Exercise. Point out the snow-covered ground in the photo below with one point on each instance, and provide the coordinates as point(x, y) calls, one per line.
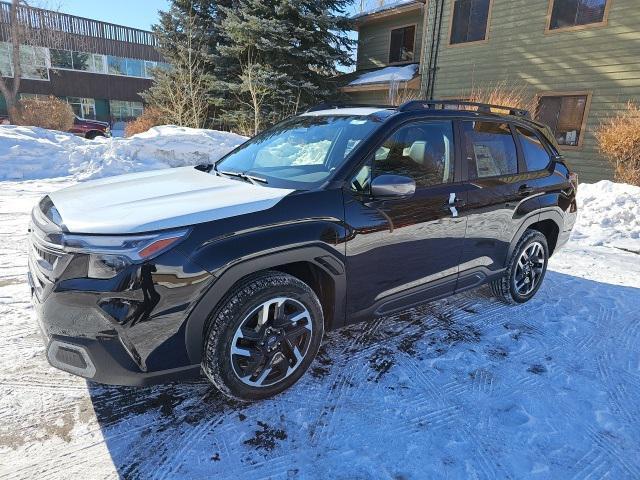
point(461, 388)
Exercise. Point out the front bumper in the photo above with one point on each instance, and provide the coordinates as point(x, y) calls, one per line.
point(83, 341)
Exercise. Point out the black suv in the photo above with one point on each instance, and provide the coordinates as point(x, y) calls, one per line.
point(331, 217)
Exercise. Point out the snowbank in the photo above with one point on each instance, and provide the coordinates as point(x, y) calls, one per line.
point(387, 74)
point(34, 153)
point(28, 152)
point(160, 147)
point(608, 214)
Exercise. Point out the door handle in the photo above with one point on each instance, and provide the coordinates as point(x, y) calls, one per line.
point(525, 190)
point(453, 204)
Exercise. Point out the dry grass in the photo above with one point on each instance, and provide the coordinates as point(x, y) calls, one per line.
point(48, 112)
point(399, 96)
point(503, 93)
point(619, 140)
point(151, 117)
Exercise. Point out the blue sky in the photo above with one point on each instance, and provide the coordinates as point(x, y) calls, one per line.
point(131, 13)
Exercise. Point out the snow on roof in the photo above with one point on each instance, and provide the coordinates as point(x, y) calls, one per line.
point(387, 74)
point(384, 7)
point(356, 112)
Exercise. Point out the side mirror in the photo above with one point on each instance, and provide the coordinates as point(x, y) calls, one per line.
point(392, 186)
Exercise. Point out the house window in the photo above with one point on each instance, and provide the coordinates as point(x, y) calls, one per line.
point(6, 69)
point(565, 115)
point(402, 44)
point(61, 58)
point(33, 61)
point(574, 13)
point(83, 107)
point(85, 62)
point(123, 111)
point(470, 21)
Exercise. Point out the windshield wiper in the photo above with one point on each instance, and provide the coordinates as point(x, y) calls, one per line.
point(248, 178)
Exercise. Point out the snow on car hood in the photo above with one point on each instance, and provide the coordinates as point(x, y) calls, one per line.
point(158, 200)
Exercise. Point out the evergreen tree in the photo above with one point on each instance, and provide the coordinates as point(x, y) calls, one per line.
point(289, 48)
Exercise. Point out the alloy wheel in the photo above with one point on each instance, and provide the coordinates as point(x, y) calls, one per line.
point(271, 342)
point(529, 269)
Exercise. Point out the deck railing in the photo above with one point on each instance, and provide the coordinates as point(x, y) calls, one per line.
point(52, 29)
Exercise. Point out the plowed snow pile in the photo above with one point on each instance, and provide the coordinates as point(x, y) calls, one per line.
point(609, 214)
point(33, 153)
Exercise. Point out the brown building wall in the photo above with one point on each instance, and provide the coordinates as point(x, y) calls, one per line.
point(67, 83)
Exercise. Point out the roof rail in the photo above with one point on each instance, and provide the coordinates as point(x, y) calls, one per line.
point(336, 105)
point(442, 104)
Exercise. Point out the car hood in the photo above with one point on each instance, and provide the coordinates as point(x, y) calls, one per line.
point(158, 200)
point(92, 123)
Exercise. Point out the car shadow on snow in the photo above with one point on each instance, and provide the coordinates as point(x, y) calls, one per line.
point(465, 364)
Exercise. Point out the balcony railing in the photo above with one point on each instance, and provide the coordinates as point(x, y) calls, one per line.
point(52, 29)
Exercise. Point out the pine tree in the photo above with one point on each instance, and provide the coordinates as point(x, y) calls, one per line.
point(291, 49)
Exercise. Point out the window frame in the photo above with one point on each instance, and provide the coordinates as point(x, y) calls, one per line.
point(415, 41)
point(475, 42)
point(550, 31)
point(585, 117)
point(466, 161)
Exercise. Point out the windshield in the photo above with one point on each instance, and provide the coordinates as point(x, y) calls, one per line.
point(301, 152)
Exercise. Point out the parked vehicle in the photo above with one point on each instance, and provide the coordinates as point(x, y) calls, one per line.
point(329, 218)
point(88, 129)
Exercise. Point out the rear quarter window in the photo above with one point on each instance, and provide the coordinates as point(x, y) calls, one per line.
point(536, 156)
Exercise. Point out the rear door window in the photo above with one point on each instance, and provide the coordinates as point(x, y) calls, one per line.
point(536, 155)
point(489, 148)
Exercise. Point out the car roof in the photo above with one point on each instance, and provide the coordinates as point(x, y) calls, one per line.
point(349, 111)
point(383, 111)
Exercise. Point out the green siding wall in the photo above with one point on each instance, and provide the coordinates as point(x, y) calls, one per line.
point(603, 60)
point(373, 47)
point(3, 105)
point(372, 97)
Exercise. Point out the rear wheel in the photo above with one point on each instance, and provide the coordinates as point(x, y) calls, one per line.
point(526, 269)
point(263, 336)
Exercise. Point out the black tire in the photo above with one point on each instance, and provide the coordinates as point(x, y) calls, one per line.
point(505, 287)
point(93, 135)
point(235, 310)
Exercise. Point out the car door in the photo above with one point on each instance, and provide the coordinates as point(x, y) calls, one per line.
point(499, 196)
point(402, 251)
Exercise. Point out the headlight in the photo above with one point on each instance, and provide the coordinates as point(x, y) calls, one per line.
point(110, 254)
point(106, 266)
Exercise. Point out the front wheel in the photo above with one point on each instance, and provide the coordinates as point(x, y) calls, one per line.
point(526, 269)
point(263, 336)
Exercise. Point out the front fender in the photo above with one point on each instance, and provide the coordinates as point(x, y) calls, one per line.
point(319, 255)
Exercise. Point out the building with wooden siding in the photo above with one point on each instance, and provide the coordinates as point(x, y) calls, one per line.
point(578, 59)
point(98, 67)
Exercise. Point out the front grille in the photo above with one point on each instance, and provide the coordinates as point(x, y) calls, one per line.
point(49, 258)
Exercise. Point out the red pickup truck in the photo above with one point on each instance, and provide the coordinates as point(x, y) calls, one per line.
point(88, 129)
